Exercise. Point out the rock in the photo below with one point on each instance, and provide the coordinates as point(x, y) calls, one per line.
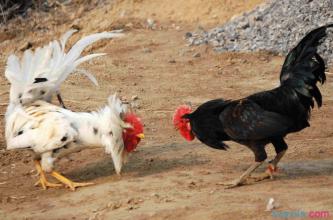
point(188, 35)
point(134, 98)
point(129, 25)
point(146, 50)
point(276, 26)
point(155, 195)
point(130, 201)
point(192, 185)
point(244, 25)
point(172, 61)
point(131, 207)
point(114, 205)
point(150, 23)
point(76, 26)
point(123, 13)
point(26, 46)
point(196, 55)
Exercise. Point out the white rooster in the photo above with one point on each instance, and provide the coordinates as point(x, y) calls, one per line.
point(52, 132)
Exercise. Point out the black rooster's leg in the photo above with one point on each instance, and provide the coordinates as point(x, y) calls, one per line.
point(239, 181)
point(260, 157)
point(60, 100)
point(277, 158)
point(271, 169)
point(280, 149)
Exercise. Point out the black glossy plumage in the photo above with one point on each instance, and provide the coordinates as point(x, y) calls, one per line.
point(267, 117)
point(205, 123)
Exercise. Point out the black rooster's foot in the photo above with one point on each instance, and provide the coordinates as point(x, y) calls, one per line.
point(268, 174)
point(261, 177)
point(232, 184)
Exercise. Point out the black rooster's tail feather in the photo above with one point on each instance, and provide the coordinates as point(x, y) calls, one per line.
point(304, 67)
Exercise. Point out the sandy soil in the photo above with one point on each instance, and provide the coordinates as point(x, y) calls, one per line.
point(167, 177)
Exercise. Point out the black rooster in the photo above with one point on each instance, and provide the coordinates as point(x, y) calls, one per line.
point(264, 117)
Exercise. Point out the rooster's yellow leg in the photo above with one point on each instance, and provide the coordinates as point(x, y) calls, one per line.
point(42, 179)
point(72, 185)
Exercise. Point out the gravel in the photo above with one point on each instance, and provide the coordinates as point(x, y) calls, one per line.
point(275, 26)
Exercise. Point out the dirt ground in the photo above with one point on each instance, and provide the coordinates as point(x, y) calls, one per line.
point(167, 177)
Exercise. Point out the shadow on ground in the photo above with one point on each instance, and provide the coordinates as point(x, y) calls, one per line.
point(145, 162)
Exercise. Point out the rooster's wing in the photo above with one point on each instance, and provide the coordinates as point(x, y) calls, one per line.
point(247, 121)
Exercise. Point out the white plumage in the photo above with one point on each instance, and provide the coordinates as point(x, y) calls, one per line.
point(50, 131)
point(46, 128)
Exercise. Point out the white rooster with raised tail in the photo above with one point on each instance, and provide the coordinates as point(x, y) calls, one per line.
point(39, 74)
point(52, 132)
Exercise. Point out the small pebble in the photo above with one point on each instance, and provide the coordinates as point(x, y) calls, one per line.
point(146, 50)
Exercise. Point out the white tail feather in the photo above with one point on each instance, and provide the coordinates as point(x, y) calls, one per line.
point(47, 67)
point(65, 37)
point(88, 57)
point(77, 49)
point(88, 75)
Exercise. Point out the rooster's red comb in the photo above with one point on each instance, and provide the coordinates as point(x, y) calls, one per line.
point(182, 124)
point(135, 121)
point(178, 119)
point(132, 136)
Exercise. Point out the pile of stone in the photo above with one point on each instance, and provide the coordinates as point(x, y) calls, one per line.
point(275, 26)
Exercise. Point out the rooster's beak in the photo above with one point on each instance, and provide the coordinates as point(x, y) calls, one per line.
point(141, 136)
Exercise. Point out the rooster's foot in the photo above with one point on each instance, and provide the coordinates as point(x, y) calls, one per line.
point(67, 182)
point(42, 179)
